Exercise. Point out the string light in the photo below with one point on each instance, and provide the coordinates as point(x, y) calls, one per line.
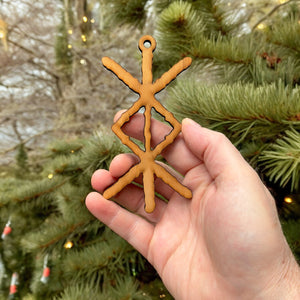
point(68, 245)
point(93, 21)
point(50, 176)
point(83, 37)
point(70, 31)
point(288, 199)
point(3, 34)
point(82, 61)
point(84, 19)
point(261, 26)
point(69, 46)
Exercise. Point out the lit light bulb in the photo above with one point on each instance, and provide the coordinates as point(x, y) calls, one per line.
point(70, 31)
point(83, 37)
point(261, 26)
point(288, 199)
point(84, 19)
point(69, 46)
point(68, 245)
point(50, 176)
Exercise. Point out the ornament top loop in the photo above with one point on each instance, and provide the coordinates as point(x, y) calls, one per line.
point(147, 42)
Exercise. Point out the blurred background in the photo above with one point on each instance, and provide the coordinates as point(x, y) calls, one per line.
point(57, 104)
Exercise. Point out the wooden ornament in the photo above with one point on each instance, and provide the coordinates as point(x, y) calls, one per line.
point(147, 89)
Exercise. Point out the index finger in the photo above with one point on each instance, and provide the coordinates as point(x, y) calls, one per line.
point(173, 153)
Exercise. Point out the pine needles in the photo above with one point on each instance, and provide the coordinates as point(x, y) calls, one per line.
point(244, 112)
point(281, 161)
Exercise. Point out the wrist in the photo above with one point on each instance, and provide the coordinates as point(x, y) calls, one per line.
point(287, 283)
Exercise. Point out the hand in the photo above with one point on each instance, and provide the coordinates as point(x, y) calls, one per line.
point(224, 243)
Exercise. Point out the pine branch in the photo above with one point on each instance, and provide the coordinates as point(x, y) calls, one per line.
point(271, 12)
point(132, 12)
point(53, 233)
point(281, 161)
point(264, 116)
point(25, 141)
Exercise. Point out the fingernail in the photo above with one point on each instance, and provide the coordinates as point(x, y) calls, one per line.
point(188, 121)
point(118, 115)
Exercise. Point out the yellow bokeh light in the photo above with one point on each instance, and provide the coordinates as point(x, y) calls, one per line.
point(83, 37)
point(69, 46)
point(83, 61)
point(261, 26)
point(70, 31)
point(288, 200)
point(84, 19)
point(68, 245)
point(92, 20)
point(50, 176)
point(282, 1)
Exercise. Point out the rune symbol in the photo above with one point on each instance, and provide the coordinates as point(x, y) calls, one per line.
point(147, 89)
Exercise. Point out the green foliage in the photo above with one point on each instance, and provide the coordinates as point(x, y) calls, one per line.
point(178, 26)
point(244, 84)
point(100, 151)
point(61, 147)
point(281, 161)
point(291, 229)
point(124, 289)
point(48, 212)
point(21, 159)
point(132, 12)
point(286, 34)
point(63, 55)
point(248, 114)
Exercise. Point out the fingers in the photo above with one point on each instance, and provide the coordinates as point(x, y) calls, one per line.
point(136, 230)
point(123, 162)
point(173, 153)
point(193, 146)
point(132, 196)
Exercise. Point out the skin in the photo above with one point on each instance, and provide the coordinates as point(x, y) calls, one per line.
point(224, 243)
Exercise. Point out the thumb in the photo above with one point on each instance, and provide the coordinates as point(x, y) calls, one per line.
point(213, 148)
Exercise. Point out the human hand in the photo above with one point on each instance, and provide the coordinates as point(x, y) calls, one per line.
point(224, 243)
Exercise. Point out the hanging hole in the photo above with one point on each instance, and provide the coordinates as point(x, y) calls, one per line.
point(147, 44)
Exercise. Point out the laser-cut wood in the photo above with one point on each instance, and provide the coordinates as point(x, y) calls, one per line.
point(147, 89)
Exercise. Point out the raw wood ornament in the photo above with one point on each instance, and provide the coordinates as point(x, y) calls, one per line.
point(147, 89)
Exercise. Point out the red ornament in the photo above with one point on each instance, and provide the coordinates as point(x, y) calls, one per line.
point(13, 283)
point(46, 272)
point(7, 230)
point(12, 289)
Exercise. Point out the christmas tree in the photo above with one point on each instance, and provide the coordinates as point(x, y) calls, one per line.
point(244, 82)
